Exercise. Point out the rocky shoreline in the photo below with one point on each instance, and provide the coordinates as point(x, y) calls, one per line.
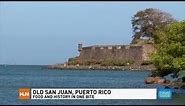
point(178, 84)
point(98, 67)
point(150, 80)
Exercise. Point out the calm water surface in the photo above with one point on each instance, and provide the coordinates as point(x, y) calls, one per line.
point(14, 77)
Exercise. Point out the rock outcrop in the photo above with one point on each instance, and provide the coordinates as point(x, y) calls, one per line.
point(156, 80)
point(164, 82)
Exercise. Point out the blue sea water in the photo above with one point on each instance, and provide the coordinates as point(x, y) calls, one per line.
point(16, 76)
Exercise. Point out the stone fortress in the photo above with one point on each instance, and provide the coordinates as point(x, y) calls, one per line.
point(136, 53)
point(97, 56)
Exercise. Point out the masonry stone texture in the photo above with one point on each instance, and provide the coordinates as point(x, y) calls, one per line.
point(136, 53)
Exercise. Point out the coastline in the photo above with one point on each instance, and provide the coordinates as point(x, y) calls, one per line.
point(160, 81)
point(98, 67)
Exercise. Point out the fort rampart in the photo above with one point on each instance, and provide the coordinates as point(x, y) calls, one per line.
point(136, 53)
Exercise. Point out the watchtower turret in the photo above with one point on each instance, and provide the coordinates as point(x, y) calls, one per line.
point(80, 47)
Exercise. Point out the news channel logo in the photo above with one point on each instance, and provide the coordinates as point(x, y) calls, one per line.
point(164, 94)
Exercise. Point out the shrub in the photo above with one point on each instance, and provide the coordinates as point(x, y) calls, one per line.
point(170, 55)
point(146, 63)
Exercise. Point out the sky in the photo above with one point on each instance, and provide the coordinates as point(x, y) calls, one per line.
point(43, 33)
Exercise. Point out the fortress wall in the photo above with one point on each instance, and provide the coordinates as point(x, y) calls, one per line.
point(147, 50)
point(122, 52)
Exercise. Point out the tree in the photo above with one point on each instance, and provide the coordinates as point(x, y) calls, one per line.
point(146, 22)
point(170, 52)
